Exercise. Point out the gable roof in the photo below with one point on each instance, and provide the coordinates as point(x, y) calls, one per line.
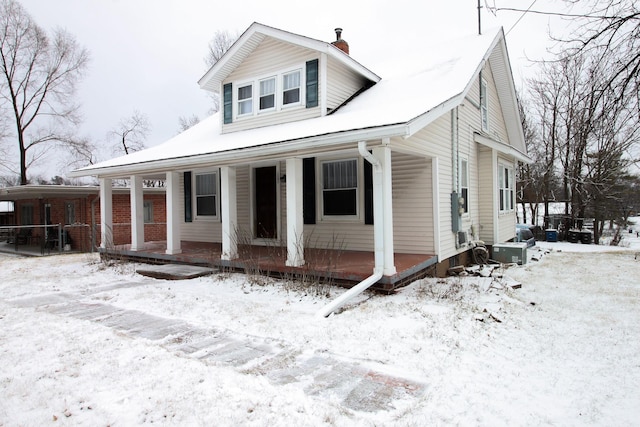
point(254, 35)
point(423, 88)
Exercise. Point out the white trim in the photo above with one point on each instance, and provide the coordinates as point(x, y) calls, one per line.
point(509, 202)
point(173, 200)
point(460, 186)
point(228, 188)
point(484, 105)
point(137, 213)
point(320, 189)
point(435, 188)
point(252, 203)
point(106, 213)
point(194, 199)
point(254, 35)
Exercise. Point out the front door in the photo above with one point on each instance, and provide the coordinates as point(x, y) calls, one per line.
point(266, 203)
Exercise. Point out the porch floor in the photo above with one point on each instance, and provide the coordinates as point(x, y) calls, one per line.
point(344, 267)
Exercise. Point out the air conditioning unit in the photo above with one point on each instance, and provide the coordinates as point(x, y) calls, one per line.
point(510, 252)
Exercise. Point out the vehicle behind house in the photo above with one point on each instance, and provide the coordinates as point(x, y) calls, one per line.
point(524, 233)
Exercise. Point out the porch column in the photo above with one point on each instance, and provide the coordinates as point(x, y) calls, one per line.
point(383, 154)
point(173, 213)
point(229, 212)
point(295, 222)
point(106, 213)
point(137, 213)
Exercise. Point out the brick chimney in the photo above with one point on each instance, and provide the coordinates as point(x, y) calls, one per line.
point(339, 43)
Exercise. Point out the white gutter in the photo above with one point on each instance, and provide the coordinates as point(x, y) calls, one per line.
point(272, 149)
point(378, 237)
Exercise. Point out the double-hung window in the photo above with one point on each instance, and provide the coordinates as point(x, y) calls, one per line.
point(291, 88)
point(267, 94)
point(505, 181)
point(206, 185)
point(340, 187)
point(245, 100)
point(484, 105)
point(464, 184)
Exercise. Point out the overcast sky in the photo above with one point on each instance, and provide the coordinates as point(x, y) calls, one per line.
point(148, 55)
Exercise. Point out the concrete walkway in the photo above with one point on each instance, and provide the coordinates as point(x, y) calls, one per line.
point(322, 375)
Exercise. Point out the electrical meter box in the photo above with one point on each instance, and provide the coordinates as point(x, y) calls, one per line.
point(510, 252)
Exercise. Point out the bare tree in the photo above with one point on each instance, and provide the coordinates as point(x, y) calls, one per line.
point(218, 46)
point(187, 122)
point(38, 84)
point(130, 134)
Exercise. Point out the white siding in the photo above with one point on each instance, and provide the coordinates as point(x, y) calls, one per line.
point(271, 57)
point(198, 231)
point(343, 83)
point(487, 188)
point(412, 204)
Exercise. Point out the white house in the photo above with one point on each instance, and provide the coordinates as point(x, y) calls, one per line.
point(309, 142)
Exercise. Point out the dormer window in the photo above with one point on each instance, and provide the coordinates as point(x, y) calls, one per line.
point(291, 88)
point(267, 94)
point(245, 100)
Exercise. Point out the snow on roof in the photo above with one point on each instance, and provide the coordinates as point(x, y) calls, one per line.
point(418, 82)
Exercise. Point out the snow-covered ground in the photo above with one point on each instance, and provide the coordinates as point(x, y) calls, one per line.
point(564, 349)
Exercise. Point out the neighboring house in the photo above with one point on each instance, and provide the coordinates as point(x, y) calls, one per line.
point(7, 216)
point(311, 147)
point(77, 210)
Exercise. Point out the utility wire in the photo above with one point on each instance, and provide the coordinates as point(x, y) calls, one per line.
point(521, 16)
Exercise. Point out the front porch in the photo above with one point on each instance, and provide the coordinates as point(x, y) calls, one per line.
point(339, 266)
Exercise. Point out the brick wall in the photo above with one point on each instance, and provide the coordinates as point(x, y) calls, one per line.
point(87, 212)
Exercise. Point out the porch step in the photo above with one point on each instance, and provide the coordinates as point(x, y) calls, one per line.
point(174, 271)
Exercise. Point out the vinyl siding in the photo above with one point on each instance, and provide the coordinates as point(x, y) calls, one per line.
point(412, 204)
point(269, 58)
point(343, 83)
point(487, 189)
point(198, 230)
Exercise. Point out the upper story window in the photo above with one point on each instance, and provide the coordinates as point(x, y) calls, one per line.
point(291, 88)
point(464, 184)
point(340, 188)
point(484, 105)
point(505, 181)
point(245, 100)
point(206, 200)
point(267, 93)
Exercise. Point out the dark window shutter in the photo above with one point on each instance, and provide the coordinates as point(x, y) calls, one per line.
point(312, 83)
point(309, 190)
point(227, 102)
point(368, 193)
point(188, 205)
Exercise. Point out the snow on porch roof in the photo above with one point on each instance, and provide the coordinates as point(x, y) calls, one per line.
point(426, 83)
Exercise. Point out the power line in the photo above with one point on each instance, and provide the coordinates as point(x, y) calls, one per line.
point(521, 16)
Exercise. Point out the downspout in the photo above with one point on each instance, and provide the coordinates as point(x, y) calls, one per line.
point(378, 237)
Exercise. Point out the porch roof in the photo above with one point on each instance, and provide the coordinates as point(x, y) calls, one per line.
point(429, 86)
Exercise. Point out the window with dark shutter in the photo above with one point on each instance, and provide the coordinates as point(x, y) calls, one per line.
point(312, 83)
point(227, 101)
point(188, 215)
point(309, 190)
point(368, 193)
